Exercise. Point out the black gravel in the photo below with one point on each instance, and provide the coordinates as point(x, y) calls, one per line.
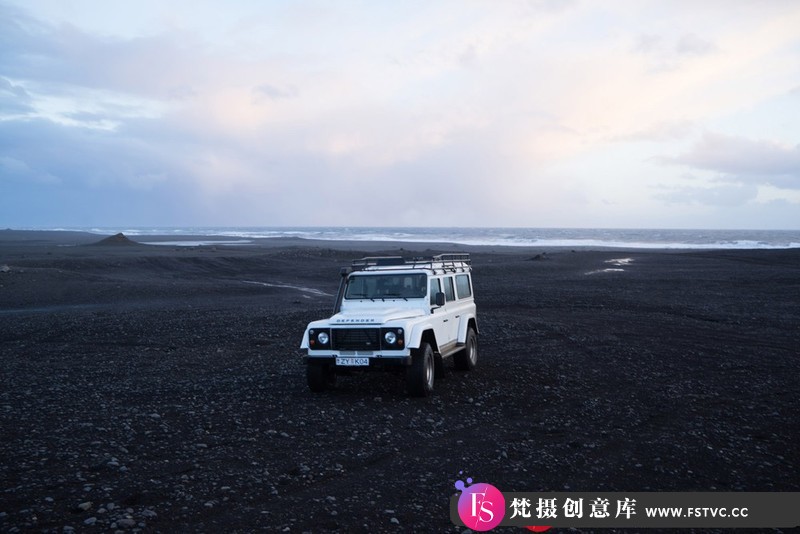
point(160, 390)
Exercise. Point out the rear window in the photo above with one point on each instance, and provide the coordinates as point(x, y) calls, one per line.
point(463, 287)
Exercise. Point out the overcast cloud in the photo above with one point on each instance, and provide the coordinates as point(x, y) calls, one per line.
point(581, 114)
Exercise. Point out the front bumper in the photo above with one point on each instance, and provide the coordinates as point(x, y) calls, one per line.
point(374, 361)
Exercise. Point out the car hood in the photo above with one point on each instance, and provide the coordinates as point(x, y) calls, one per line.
point(376, 316)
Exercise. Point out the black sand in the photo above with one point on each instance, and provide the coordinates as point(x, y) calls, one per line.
point(161, 388)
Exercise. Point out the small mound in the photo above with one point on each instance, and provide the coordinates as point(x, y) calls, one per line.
point(116, 240)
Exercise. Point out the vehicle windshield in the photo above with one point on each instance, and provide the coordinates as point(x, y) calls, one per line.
point(386, 286)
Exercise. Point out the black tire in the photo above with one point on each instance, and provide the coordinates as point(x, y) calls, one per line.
point(420, 373)
point(467, 359)
point(320, 376)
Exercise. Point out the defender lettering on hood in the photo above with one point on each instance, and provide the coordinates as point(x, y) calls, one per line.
point(414, 313)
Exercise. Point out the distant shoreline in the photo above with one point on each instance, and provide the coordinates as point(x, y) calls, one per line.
point(519, 239)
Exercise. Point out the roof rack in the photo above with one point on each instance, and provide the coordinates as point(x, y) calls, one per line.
point(452, 262)
point(378, 261)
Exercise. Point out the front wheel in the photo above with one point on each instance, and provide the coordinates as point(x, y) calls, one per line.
point(467, 359)
point(320, 376)
point(419, 375)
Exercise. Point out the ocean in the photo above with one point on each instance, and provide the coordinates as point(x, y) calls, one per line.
point(515, 237)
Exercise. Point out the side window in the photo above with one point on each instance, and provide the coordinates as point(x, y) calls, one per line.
point(462, 284)
point(449, 291)
point(435, 288)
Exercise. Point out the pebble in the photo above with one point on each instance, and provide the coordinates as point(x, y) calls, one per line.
point(85, 505)
point(90, 521)
point(394, 521)
point(126, 523)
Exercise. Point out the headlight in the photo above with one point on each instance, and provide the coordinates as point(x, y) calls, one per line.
point(323, 338)
point(393, 338)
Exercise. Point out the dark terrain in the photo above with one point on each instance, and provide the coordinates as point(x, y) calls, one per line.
point(158, 388)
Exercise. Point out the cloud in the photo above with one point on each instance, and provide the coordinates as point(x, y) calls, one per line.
point(693, 45)
point(14, 99)
point(648, 44)
point(662, 131)
point(725, 195)
point(42, 150)
point(18, 170)
point(61, 57)
point(687, 44)
point(275, 93)
point(744, 160)
point(510, 111)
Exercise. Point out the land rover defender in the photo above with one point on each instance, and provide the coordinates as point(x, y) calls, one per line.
point(396, 312)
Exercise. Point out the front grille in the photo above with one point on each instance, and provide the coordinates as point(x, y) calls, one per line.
point(355, 338)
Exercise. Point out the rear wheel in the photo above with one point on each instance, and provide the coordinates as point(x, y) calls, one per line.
point(438, 367)
point(420, 373)
point(320, 376)
point(467, 359)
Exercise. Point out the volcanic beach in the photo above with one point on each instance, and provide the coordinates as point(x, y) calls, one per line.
point(160, 387)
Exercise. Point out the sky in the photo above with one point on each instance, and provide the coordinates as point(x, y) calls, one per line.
point(537, 113)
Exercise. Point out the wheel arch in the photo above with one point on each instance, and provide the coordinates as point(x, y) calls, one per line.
point(471, 322)
point(427, 336)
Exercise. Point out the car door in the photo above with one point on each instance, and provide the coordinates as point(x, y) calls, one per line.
point(441, 320)
point(450, 309)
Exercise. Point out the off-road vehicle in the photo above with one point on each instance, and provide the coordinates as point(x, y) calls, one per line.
point(394, 312)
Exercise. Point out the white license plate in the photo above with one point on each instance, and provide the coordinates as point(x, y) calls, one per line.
point(352, 362)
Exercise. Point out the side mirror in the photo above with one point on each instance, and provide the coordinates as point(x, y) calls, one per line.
point(439, 299)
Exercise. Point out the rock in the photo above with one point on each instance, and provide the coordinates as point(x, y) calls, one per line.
point(116, 240)
point(84, 506)
point(90, 521)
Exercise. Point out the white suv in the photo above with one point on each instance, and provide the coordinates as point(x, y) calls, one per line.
point(395, 312)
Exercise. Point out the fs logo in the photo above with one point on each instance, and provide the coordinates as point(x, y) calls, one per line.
point(481, 506)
